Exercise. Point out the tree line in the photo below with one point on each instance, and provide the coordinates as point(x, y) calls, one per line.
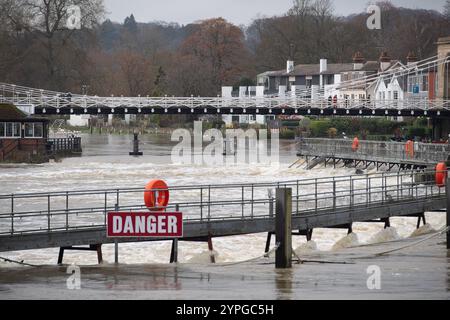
point(158, 58)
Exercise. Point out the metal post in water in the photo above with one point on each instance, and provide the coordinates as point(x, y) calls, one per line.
point(136, 151)
point(283, 228)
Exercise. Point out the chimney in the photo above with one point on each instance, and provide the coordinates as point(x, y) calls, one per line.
point(411, 58)
point(385, 61)
point(323, 68)
point(358, 61)
point(323, 65)
point(290, 66)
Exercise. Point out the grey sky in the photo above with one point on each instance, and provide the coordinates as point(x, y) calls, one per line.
point(236, 11)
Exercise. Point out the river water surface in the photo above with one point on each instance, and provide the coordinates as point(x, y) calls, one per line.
point(105, 164)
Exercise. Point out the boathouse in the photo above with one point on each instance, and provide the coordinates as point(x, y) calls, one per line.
point(22, 138)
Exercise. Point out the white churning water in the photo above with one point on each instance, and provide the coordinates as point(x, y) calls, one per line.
point(106, 164)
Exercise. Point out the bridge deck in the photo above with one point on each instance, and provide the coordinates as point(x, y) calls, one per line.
point(34, 221)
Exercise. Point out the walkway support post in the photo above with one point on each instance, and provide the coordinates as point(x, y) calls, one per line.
point(447, 188)
point(283, 228)
point(116, 251)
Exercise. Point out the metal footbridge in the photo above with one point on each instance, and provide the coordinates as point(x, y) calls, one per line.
point(336, 152)
point(311, 101)
point(75, 218)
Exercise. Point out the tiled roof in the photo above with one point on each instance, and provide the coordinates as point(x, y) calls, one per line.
point(10, 112)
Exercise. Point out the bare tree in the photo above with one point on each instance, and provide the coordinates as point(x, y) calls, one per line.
point(447, 9)
point(47, 20)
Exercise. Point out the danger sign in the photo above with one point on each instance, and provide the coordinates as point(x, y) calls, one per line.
point(145, 224)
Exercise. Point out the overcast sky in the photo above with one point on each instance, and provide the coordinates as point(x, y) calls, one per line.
point(236, 11)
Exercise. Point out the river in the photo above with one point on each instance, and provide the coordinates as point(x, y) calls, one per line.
point(105, 163)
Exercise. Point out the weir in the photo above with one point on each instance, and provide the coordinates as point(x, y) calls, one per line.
point(72, 219)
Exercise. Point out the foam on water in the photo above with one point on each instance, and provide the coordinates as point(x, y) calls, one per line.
point(204, 257)
point(425, 229)
point(350, 240)
point(385, 235)
point(306, 248)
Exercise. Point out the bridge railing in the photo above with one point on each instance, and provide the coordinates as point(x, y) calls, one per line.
point(373, 150)
point(58, 102)
point(75, 210)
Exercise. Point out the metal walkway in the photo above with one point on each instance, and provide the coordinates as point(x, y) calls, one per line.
point(374, 153)
point(64, 219)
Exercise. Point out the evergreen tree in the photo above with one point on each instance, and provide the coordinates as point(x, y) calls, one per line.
point(130, 24)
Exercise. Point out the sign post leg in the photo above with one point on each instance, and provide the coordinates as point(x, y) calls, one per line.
point(447, 188)
point(116, 251)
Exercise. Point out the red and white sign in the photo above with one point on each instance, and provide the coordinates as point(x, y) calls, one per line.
point(145, 225)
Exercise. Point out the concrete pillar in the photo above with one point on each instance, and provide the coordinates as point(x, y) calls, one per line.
point(127, 118)
point(283, 228)
point(110, 119)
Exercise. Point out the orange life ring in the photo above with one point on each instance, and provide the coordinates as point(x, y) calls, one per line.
point(409, 148)
point(355, 144)
point(156, 195)
point(441, 174)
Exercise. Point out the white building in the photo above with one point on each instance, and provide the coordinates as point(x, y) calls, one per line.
point(79, 120)
point(245, 92)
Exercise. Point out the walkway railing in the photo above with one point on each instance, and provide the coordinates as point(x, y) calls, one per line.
point(56, 145)
point(374, 150)
point(74, 210)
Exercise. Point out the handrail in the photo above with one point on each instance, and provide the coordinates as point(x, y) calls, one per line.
point(48, 212)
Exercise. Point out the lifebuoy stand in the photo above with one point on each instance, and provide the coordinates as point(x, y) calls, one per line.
point(409, 148)
point(441, 174)
point(355, 144)
point(156, 195)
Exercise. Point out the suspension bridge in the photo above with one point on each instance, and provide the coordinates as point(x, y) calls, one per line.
point(311, 101)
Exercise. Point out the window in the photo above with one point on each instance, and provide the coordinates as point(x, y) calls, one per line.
point(38, 130)
point(10, 129)
point(425, 83)
point(395, 95)
point(34, 130)
point(29, 131)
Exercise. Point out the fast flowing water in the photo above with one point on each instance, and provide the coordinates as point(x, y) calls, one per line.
point(105, 164)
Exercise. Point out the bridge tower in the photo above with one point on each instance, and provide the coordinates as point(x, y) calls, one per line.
point(441, 127)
